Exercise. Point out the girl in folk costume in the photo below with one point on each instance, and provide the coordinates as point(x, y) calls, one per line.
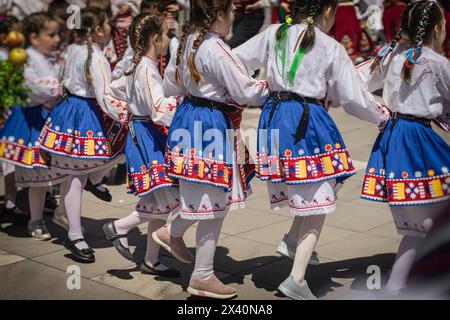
point(79, 134)
point(301, 153)
point(19, 144)
point(416, 88)
point(213, 180)
point(146, 142)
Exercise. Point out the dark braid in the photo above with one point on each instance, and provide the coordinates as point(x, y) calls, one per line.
point(143, 26)
point(87, 63)
point(308, 11)
point(203, 14)
point(91, 18)
point(383, 52)
point(424, 16)
point(179, 53)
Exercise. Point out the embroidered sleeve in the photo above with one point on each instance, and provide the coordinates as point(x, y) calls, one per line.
point(101, 76)
point(161, 109)
point(230, 73)
point(45, 90)
point(347, 89)
point(254, 52)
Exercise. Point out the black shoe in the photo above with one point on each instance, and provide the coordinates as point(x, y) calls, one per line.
point(80, 255)
point(170, 273)
point(50, 204)
point(111, 234)
point(101, 194)
point(15, 216)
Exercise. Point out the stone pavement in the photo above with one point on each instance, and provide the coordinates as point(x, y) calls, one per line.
point(357, 235)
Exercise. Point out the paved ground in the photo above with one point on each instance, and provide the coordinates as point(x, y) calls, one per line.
point(357, 235)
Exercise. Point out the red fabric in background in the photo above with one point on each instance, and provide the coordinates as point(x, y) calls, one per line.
point(391, 19)
point(347, 29)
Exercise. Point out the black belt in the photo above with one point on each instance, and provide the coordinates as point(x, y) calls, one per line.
point(397, 115)
point(202, 102)
point(131, 126)
point(279, 96)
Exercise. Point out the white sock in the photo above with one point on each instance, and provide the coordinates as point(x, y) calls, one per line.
point(36, 198)
point(208, 232)
point(72, 201)
point(295, 229)
point(178, 226)
point(126, 224)
point(403, 263)
point(152, 253)
point(308, 236)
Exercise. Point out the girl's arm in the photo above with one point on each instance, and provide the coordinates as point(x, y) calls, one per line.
point(347, 89)
point(230, 72)
point(161, 109)
point(254, 52)
point(171, 87)
point(101, 81)
point(44, 90)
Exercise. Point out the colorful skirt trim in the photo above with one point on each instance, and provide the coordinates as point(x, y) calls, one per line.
point(145, 159)
point(76, 128)
point(320, 155)
point(192, 161)
point(409, 165)
point(19, 143)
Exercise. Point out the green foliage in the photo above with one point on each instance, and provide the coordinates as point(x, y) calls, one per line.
point(13, 91)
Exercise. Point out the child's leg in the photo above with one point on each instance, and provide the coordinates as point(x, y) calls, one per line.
point(308, 236)
point(126, 224)
point(403, 263)
point(203, 281)
point(170, 237)
point(36, 197)
point(97, 176)
point(72, 202)
point(295, 229)
point(152, 253)
point(208, 232)
point(178, 226)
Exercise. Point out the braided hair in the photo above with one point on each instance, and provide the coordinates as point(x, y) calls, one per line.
point(383, 52)
point(202, 15)
point(143, 26)
point(304, 11)
point(423, 17)
point(90, 19)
